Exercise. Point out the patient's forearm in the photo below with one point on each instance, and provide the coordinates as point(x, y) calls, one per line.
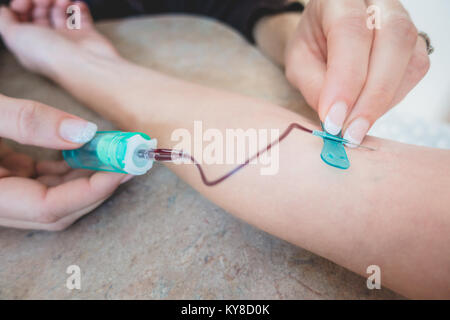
point(390, 208)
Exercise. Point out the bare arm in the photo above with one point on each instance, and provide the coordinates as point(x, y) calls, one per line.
point(389, 209)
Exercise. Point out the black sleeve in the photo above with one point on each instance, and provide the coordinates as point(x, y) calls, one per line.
point(239, 14)
point(242, 15)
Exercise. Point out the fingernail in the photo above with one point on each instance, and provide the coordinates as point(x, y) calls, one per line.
point(78, 131)
point(335, 117)
point(356, 132)
point(127, 178)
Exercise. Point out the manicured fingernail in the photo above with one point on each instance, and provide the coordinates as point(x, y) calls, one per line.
point(127, 178)
point(78, 131)
point(356, 132)
point(335, 117)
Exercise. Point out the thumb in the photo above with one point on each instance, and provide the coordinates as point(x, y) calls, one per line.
point(305, 70)
point(7, 18)
point(33, 123)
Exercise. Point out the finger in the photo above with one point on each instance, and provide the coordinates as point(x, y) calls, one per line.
point(21, 6)
point(22, 9)
point(86, 16)
point(41, 15)
point(4, 149)
point(60, 169)
point(48, 205)
point(417, 68)
point(75, 174)
point(42, 3)
point(33, 123)
point(50, 181)
point(52, 173)
point(56, 180)
point(349, 42)
point(63, 3)
point(59, 225)
point(392, 50)
point(305, 61)
point(52, 168)
point(18, 164)
point(4, 172)
point(70, 219)
point(7, 19)
point(58, 13)
point(80, 193)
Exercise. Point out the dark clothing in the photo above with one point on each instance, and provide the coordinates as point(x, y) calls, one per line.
point(239, 14)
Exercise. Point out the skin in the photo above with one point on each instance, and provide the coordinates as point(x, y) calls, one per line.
point(388, 209)
point(33, 195)
point(281, 37)
point(45, 184)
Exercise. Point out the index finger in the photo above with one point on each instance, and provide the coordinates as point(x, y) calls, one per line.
point(392, 50)
point(349, 42)
point(34, 123)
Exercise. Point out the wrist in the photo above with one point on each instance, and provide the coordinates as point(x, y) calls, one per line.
point(96, 81)
point(78, 64)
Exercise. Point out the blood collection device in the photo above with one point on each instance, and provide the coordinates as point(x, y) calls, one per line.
point(134, 153)
point(113, 151)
